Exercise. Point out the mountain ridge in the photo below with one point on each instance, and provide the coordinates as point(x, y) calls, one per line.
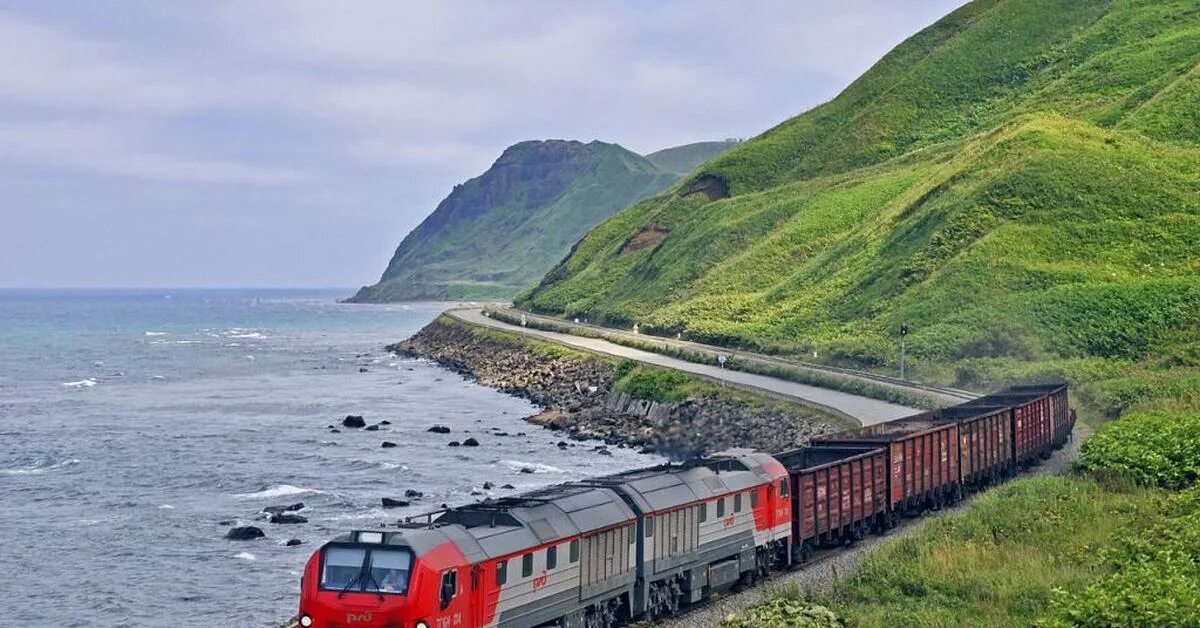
point(497, 233)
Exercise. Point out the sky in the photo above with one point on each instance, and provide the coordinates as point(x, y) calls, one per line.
point(293, 144)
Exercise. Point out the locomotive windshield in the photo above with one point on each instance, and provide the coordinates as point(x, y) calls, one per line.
point(365, 568)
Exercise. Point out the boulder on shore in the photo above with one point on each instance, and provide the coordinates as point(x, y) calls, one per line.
point(354, 420)
point(388, 502)
point(470, 442)
point(244, 533)
point(274, 510)
point(286, 517)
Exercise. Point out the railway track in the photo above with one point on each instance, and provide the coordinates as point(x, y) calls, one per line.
point(508, 314)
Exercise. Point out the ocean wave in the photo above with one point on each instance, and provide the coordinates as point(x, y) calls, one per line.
point(279, 490)
point(238, 332)
point(389, 466)
point(245, 556)
point(83, 383)
point(517, 465)
point(155, 333)
point(41, 466)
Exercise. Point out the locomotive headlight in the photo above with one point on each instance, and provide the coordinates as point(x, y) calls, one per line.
point(305, 621)
point(421, 624)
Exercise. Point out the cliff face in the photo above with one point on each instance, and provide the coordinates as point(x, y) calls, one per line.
point(501, 231)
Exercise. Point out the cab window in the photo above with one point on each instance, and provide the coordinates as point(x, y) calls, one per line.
point(737, 503)
point(343, 567)
point(388, 571)
point(527, 565)
point(502, 572)
point(754, 498)
point(720, 507)
point(783, 487)
point(373, 569)
point(449, 587)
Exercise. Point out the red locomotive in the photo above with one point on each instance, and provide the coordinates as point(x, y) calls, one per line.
point(641, 544)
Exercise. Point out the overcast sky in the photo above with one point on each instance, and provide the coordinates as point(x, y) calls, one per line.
point(293, 143)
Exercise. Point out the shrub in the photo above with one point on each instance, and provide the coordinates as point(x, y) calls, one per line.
point(1156, 577)
point(1152, 449)
point(784, 612)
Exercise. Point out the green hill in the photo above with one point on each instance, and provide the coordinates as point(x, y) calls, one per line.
point(684, 159)
point(501, 231)
point(1019, 183)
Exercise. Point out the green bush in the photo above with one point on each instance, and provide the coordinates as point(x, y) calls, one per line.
point(1152, 449)
point(1156, 577)
point(661, 385)
point(784, 612)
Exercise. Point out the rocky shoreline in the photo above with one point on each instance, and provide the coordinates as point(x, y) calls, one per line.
point(576, 393)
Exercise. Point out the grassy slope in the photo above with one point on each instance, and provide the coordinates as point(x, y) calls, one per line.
point(684, 159)
point(1020, 183)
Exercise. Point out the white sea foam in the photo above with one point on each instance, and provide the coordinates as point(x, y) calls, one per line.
point(279, 490)
point(243, 334)
point(517, 465)
point(83, 383)
point(245, 556)
point(157, 378)
point(166, 507)
point(155, 333)
point(35, 469)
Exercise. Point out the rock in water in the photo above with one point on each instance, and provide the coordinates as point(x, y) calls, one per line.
point(526, 469)
point(470, 442)
point(372, 428)
point(244, 533)
point(274, 510)
point(388, 502)
point(487, 486)
point(285, 517)
point(410, 493)
point(439, 429)
point(354, 420)
point(387, 444)
point(293, 542)
point(385, 422)
point(453, 443)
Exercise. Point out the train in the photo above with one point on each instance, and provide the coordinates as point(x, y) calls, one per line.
point(644, 544)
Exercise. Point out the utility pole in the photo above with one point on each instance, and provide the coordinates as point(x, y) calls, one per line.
point(903, 337)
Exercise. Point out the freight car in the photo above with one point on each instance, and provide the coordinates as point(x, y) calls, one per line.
point(641, 544)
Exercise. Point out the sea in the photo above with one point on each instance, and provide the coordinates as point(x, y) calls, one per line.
point(137, 426)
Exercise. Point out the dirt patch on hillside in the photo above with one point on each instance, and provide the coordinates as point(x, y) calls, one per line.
point(712, 186)
point(644, 239)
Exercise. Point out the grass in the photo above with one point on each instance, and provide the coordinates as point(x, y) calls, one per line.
point(997, 563)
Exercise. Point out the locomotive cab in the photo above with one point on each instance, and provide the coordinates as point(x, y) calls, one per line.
point(406, 579)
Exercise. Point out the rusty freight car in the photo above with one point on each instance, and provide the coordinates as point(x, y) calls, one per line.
point(840, 493)
point(923, 460)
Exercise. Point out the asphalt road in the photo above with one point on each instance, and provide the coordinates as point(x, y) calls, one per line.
point(864, 409)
